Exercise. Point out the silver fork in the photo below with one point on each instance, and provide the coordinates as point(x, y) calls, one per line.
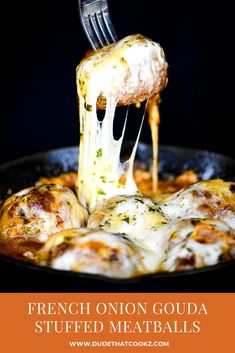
point(96, 22)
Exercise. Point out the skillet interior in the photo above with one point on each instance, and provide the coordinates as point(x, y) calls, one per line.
point(19, 277)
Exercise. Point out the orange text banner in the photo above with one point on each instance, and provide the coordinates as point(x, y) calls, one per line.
point(117, 322)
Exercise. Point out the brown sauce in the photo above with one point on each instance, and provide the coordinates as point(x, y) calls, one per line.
point(17, 247)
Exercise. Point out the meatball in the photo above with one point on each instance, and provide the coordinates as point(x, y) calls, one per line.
point(130, 215)
point(91, 251)
point(40, 211)
point(133, 70)
point(196, 243)
point(205, 199)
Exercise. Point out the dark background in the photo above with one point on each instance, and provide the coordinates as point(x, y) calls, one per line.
point(42, 42)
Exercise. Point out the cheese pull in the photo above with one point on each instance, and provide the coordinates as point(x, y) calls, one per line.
point(129, 71)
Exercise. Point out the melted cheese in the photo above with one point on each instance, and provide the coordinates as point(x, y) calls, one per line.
point(90, 251)
point(131, 70)
point(195, 243)
point(39, 211)
point(205, 199)
point(154, 121)
point(129, 215)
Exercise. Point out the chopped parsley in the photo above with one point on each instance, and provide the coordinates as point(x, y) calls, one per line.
point(102, 177)
point(88, 107)
point(126, 219)
point(188, 249)
point(81, 82)
point(99, 153)
point(107, 223)
point(101, 192)
point(67, 238)
point(117, 202)
point(160, 211)
point(139, 200)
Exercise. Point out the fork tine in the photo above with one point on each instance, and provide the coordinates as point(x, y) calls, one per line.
point(102, 26)
point(90, 33)
point(94, 15)
point(96, 30)
point(109, 25)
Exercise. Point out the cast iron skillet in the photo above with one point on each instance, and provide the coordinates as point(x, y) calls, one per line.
point(16, 276)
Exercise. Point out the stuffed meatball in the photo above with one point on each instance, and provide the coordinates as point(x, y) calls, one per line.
point(90, 251)
point(205, 199)
point(129, 215)
point(39, 211)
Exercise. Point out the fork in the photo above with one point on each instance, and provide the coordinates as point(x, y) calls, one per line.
point(96, 22)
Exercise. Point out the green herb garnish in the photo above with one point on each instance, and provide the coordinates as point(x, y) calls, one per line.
point(126, 219)
point(99, 153)
point(88, 107)
point(101, 192)
point(107, 223)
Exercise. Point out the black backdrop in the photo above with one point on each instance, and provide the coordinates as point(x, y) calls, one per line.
point(42, 42)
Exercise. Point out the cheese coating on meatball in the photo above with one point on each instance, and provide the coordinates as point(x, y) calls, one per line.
point(40, 211)
point(205, 199)
point(130, 215)
point(95, 252)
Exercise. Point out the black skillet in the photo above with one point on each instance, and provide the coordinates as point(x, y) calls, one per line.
point(16, 276)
